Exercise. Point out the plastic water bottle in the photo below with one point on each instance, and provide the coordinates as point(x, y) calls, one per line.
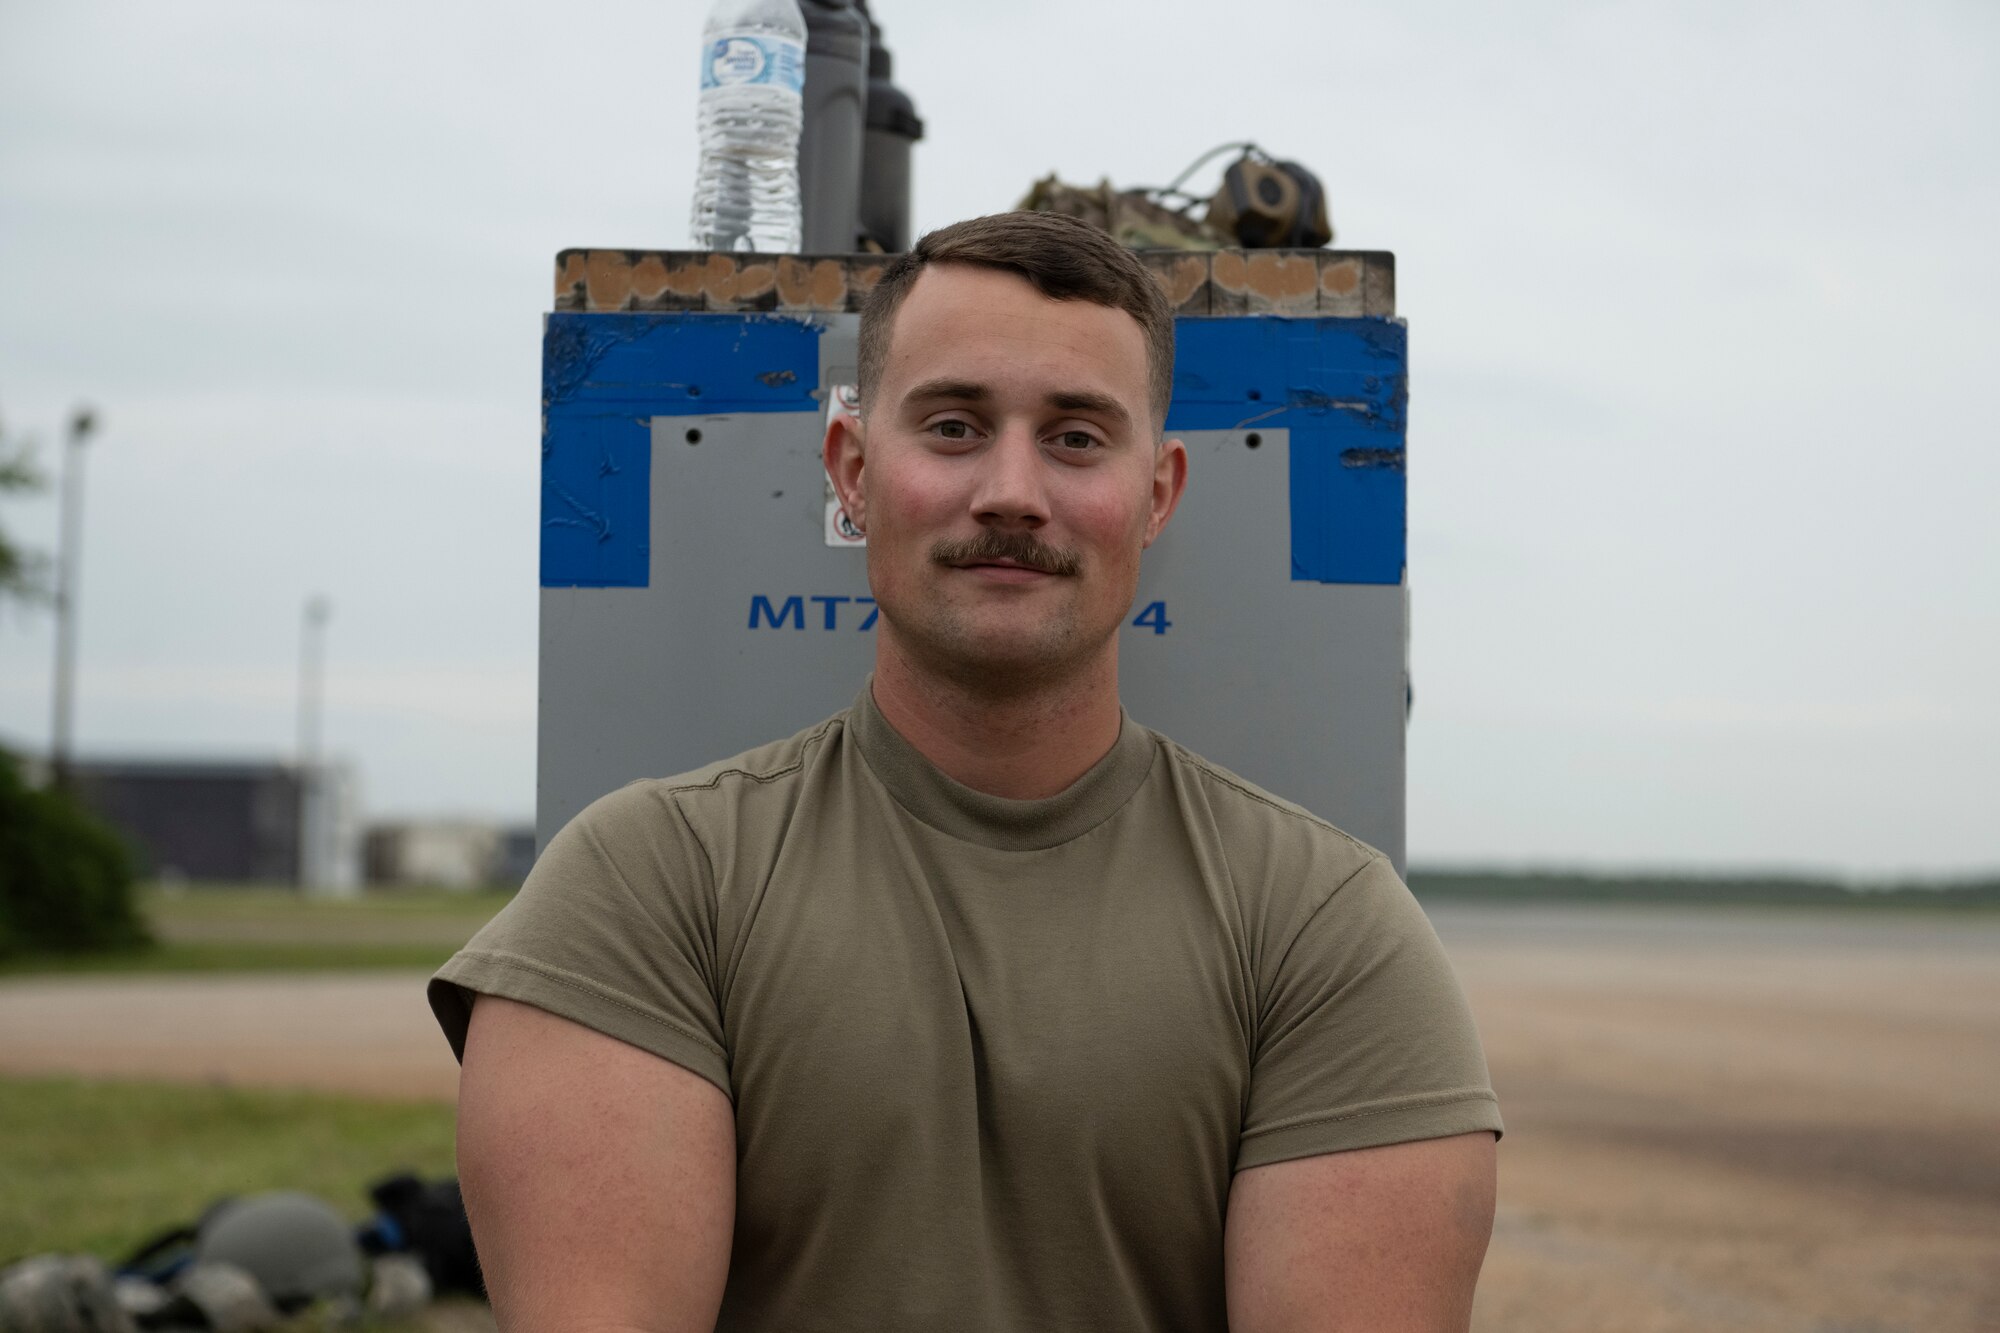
point(753, 74)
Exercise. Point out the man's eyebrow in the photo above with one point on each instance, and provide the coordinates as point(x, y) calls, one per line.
point(965, 391)
point(1074, 400)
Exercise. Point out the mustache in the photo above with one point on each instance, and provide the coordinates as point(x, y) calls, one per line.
point(1023, 548)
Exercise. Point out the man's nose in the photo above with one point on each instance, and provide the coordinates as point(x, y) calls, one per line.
point(1011, 488)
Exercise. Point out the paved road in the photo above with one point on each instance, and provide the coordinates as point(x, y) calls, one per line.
point(369, 1033)
point(1729, 1119)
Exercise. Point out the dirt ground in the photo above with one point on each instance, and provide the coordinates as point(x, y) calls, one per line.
point(368, 1032)
point(1718, 1120)
point(1728, 1119)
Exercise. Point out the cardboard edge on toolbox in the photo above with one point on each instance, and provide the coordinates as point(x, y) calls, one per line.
point(1297, 283)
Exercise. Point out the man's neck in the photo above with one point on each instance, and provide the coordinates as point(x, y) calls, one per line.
point(1022, 745)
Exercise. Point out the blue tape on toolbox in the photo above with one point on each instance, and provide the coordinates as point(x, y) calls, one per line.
point(1341, 387)
point(604, 377)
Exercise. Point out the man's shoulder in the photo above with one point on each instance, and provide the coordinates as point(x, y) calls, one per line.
point(771, 762)
point(1253, 818)
point(768, 768)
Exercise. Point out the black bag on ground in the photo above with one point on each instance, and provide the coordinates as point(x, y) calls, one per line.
point(426, 1219)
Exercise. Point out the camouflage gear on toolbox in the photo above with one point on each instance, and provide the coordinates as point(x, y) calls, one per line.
point(1134, 220)
point(1263, 204)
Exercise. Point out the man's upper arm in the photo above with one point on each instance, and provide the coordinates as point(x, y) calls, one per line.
point(1382, 1239)
point(1364, 1191)
point(600, 1179)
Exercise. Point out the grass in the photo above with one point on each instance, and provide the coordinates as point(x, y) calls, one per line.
point(233, 929)
point(216, 902)
point(214, 929)
point(101, 1167)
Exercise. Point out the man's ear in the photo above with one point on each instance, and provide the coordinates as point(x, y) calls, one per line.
point(842, 454)
point(1170, 464)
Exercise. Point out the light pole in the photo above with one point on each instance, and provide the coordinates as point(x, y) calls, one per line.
point(312, 685)
point(69, 561)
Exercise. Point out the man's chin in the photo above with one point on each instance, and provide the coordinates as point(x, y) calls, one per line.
point(1002, 659)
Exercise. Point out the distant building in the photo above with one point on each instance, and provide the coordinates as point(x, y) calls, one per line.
point(230, 821)
point(466, 854)
point(517, 855)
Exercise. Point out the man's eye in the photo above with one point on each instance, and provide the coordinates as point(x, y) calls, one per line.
point(1077, 439)
point(953, 430)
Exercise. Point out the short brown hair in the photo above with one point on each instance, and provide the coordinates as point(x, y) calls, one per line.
point(1063, 258)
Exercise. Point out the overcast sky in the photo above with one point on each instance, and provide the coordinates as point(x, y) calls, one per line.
point(1702, 302)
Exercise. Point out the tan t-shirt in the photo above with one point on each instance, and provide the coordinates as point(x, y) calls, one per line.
point(994, 1062)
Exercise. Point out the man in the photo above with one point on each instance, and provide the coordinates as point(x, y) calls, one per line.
point(977, 1006)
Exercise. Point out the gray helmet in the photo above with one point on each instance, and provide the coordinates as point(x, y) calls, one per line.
point(221, 1298)
point(298, 1248)
point(398, 1287)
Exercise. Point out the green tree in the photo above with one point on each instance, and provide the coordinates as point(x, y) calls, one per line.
point(65, 878)
point(66, 881)
point(20, 571)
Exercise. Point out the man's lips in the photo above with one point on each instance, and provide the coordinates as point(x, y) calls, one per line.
point(1004, 571)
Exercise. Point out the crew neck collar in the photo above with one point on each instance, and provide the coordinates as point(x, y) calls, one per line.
point(949, 806)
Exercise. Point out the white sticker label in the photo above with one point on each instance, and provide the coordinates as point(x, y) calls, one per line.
point(738, 58)
point(842, 401)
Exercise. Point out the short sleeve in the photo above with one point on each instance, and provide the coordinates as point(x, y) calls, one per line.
point(614, 929)
point(1364, 1035)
